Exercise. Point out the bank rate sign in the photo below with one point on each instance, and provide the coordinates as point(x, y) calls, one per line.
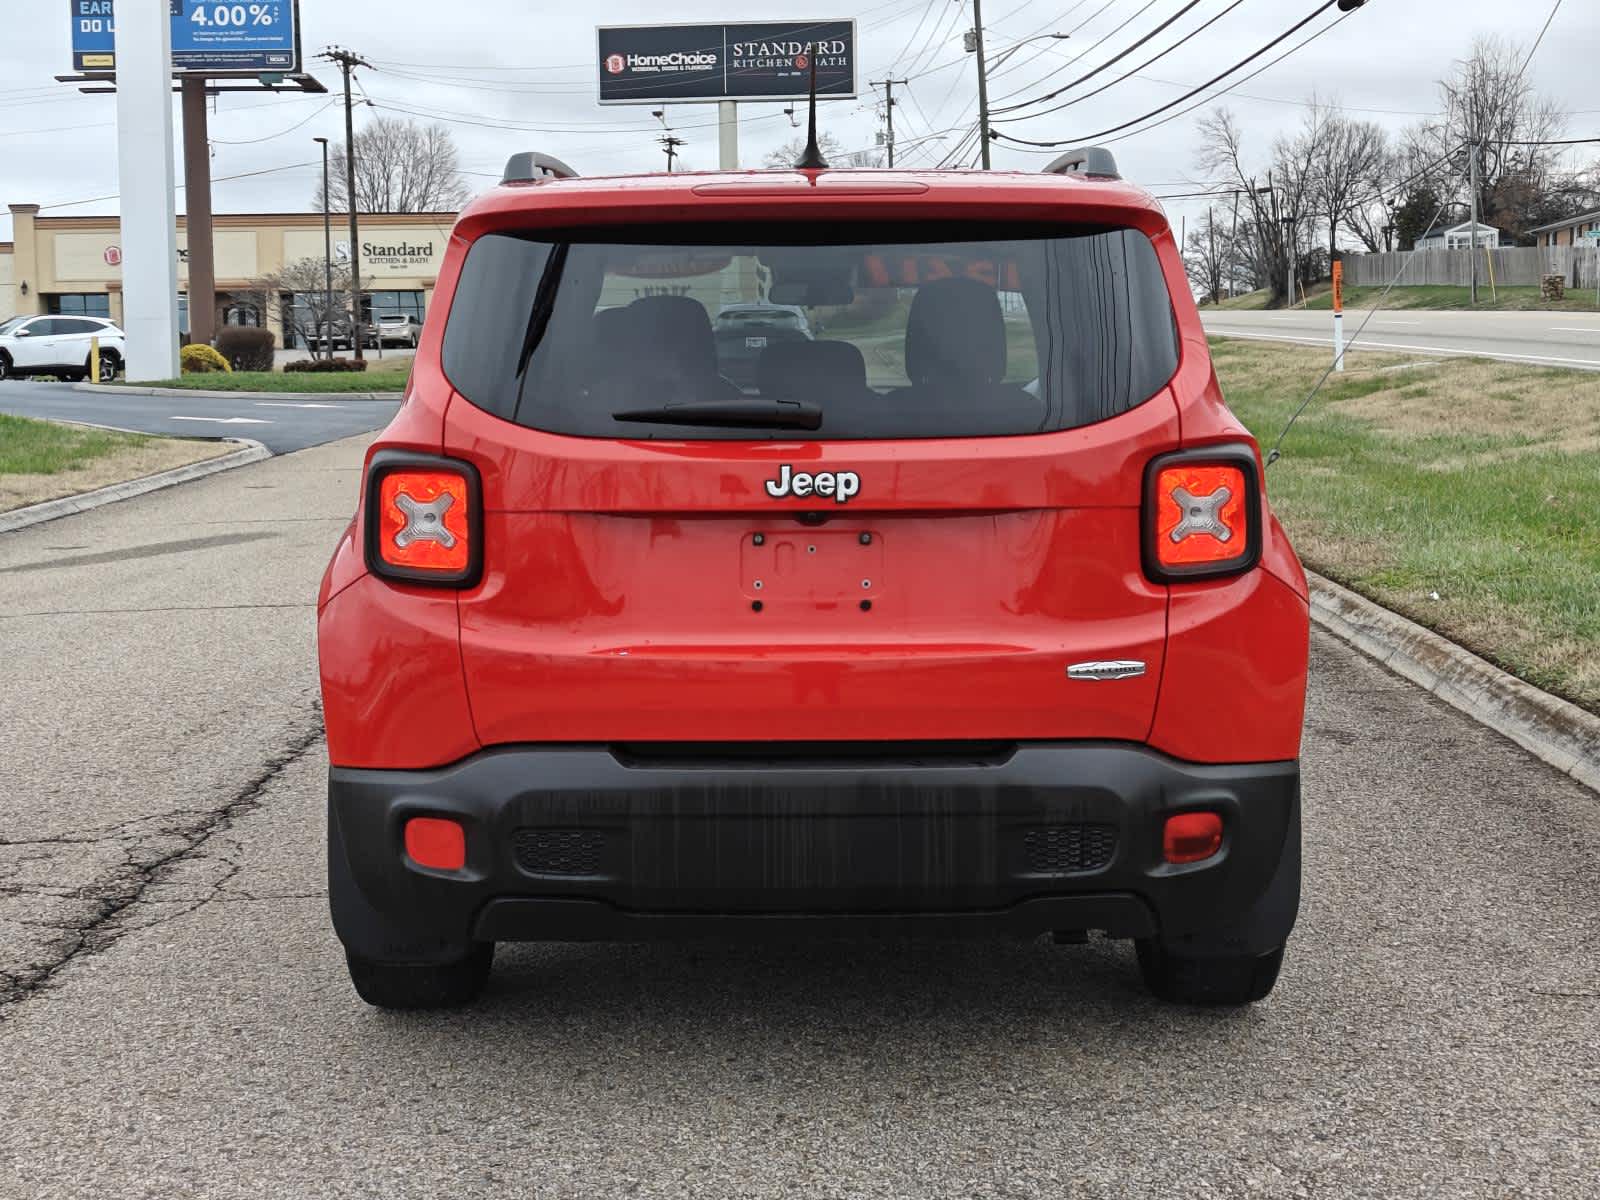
point(208, 37)
point(772, 60)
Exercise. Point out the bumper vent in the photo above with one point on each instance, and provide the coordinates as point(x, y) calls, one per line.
point(1067, 849)
point(559, 851)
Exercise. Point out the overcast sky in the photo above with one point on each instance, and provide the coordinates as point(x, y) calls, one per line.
point(495, 65)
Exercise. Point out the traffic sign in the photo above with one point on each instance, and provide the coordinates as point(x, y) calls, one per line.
point(208, 37)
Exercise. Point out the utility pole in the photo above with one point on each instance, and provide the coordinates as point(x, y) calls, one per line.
point(348, 61)
point(325, 326)
point(197, 213)
point(888, 109)
point(983, 80)
point(671, 142)
point(1472, 253)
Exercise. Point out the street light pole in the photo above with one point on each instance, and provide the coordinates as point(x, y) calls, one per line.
point(325, 326)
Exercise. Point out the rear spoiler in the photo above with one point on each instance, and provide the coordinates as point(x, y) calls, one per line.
point(1092, 162)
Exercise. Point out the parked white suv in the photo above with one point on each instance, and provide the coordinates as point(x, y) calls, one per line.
point(59, 346)
point(397, 329)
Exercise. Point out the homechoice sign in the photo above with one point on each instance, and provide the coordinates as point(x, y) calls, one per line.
point(653, 64)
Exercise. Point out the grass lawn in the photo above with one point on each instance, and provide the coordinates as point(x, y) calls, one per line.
point(1468, 479)
point(1429, 296)
point(1506, 299)
point(390, 380)
point(40, 460)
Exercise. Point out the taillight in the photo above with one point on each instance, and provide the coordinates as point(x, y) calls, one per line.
point(424, 519)
point(1202, 514)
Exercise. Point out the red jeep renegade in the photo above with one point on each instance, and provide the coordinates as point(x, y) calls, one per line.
point(824, 551)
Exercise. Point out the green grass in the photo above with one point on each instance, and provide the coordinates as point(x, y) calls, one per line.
point(30, 447)
point(1319, 297)
point(1467, 480)
point(1506, 299)
point(386, 380)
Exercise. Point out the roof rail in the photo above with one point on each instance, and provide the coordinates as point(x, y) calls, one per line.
point(1093, 162)
point(530, 167)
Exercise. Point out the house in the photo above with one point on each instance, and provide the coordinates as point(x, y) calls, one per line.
point(1569, 232)
point(1459, 237)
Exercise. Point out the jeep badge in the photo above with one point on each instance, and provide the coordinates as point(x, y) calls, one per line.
point(841, 485)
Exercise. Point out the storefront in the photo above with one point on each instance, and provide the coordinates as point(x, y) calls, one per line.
point(264, 265)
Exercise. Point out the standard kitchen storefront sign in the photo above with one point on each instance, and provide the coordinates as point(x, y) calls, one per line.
point(770, 60)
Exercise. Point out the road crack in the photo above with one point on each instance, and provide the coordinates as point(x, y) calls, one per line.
point(144, 867)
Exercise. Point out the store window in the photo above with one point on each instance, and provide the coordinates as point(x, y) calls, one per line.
point(86, 304)
point(379, 303)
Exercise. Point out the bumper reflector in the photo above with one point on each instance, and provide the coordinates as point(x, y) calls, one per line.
point(436, 843)
point(1191, 837)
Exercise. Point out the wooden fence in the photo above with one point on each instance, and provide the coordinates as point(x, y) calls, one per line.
point(1517, 267)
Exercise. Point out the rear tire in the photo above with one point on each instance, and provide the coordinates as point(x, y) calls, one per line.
point(109, 365)
point(421, 985)
point(5, 367)
point(1209, 980)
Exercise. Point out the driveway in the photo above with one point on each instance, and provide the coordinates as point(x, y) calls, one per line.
point(175, 1018)
point(1553, 339)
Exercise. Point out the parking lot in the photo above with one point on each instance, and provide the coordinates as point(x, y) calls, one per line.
point(175, 1017)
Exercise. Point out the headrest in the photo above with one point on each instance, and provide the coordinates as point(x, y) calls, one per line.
point(788, 369)
point(955, 335)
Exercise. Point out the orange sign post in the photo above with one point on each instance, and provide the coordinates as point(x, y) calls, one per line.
point(1338, 315)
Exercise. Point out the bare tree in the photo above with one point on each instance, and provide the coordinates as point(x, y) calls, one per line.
point(786, 155)
point(297, 298)
point(1350, 161)
point(1491, 103)
point(1206, 257)
point(401, 167)
point(1281, 207)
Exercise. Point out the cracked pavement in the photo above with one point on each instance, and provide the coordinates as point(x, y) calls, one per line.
point(175, 1019)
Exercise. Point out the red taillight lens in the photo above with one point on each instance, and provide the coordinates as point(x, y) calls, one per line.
point(1191, 837)
point(1202, 514)
point(437, 843)
point(422, 519)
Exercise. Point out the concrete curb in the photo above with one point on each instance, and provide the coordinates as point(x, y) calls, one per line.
point(1559, 733)
point(103, 389)
point(36, 514)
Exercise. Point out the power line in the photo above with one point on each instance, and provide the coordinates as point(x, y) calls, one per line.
point(1110, 62)
point(1134, 71)
point(1221, 75)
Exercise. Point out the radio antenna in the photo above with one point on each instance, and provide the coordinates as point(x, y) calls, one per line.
point(812, 159)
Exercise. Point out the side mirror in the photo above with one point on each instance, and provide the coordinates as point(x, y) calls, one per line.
point(23, 333)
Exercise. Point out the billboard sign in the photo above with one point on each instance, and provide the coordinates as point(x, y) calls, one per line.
point(765, 60)
point(208, 37)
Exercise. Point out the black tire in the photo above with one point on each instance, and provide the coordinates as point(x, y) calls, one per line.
point(5, 367)
point(110, 364)
point(421, 985)
point(1210, 980)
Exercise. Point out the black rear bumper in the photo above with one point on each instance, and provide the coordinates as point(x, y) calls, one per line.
point(626, 843)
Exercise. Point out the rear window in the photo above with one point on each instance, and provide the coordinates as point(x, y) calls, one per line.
point(897, 336)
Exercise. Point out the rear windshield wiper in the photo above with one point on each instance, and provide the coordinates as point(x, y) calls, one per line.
point(730, 414)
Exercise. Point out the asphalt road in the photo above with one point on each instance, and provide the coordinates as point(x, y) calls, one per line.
point(283, 424)
point(175, 1018)
point(1556, 339)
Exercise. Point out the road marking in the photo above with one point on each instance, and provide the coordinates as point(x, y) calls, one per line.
point(1592, 364)
point(223, 420)
point(286, 404)
point(1574, 329)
